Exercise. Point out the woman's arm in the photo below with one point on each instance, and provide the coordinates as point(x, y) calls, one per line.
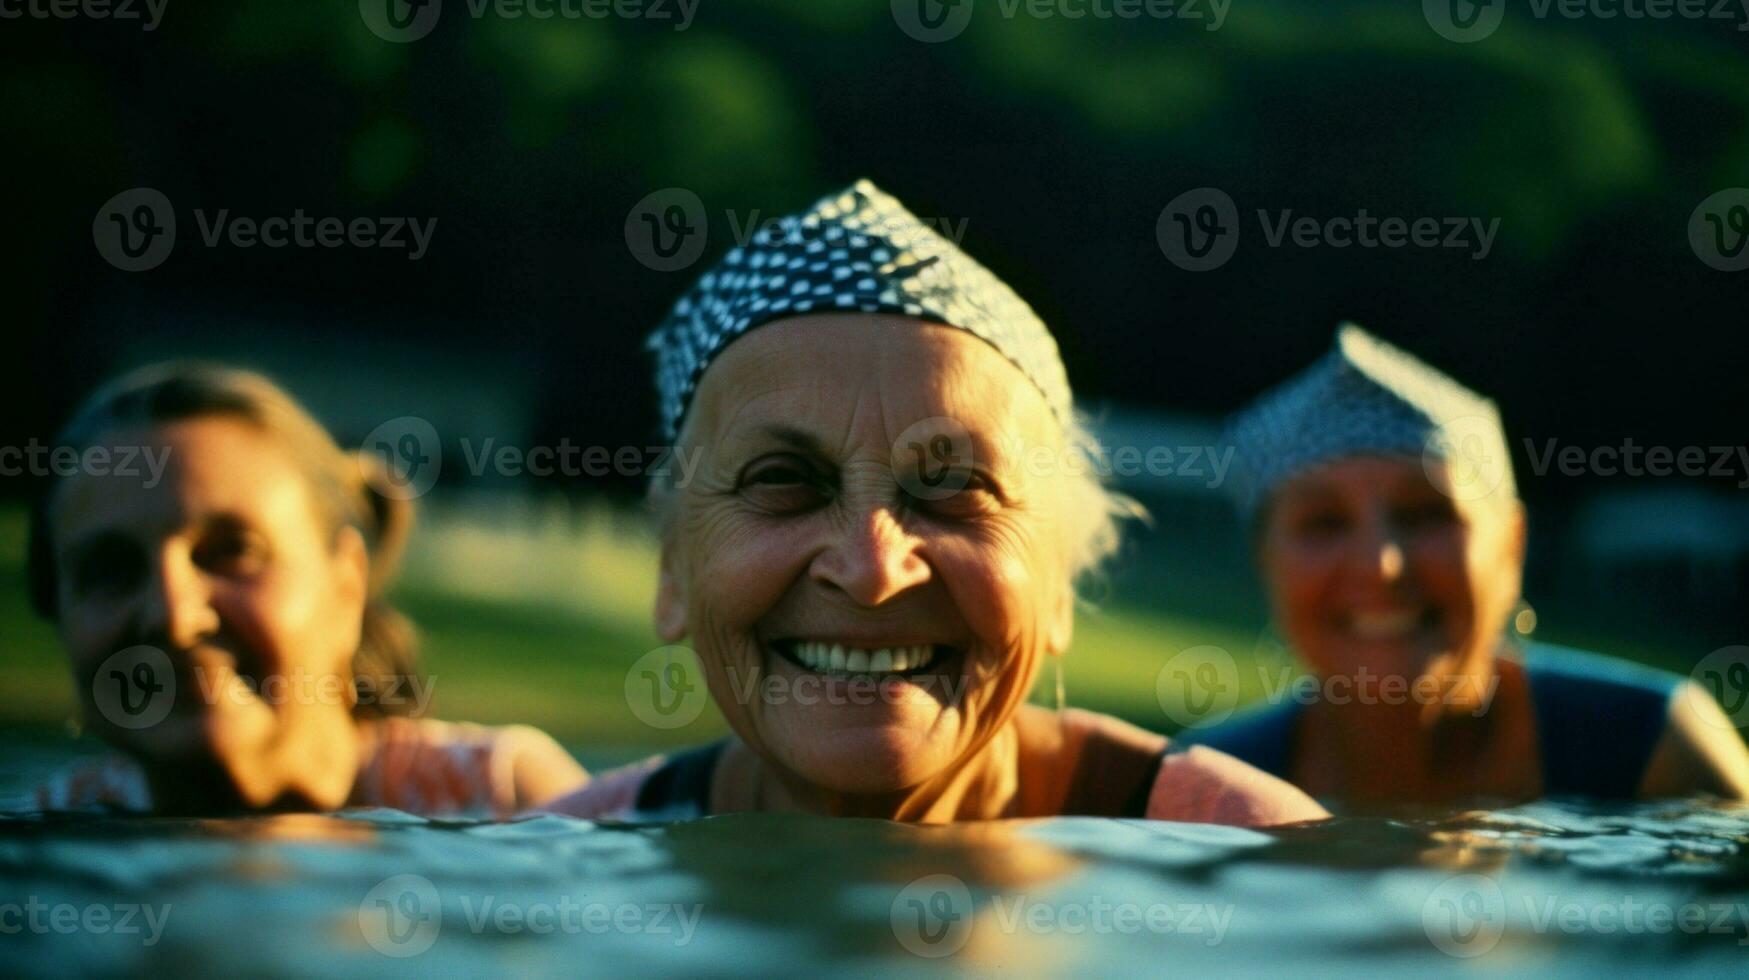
point(541, 768)
point(1699, 752)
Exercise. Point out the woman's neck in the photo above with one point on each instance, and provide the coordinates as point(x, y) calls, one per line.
point(303, 774)
point(1379, 753)
point(982, 787)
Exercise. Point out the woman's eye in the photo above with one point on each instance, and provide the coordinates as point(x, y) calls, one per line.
point(1324, 523)
point(783, 485)
point(104, 570)
point(776, 476)
point(232, 554)
point(956, 496)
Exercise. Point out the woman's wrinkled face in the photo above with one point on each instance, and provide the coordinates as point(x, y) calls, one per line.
point(1372, 567)
point(226, 567)
point(869, 587)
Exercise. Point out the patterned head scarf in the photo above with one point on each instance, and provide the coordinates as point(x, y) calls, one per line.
point(1368, 398)
point(855, 251)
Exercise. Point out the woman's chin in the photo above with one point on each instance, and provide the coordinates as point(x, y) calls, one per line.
point(860, 759)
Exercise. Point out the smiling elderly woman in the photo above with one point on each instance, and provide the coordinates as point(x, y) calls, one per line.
point(869, 562)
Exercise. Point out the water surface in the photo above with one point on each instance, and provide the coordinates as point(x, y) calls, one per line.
point(1547, 889)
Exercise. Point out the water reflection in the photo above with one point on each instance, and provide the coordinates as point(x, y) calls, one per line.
point(1547, 888)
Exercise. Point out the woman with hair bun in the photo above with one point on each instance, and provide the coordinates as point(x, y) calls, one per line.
point(225, 624)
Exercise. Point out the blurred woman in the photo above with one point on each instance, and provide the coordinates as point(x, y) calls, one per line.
point(1388, 530)
point(876, 554)
point(224, 619)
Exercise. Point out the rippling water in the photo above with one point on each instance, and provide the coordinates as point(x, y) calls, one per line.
point(1536, 890)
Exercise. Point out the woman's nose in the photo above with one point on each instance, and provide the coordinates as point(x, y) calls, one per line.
point(872, 559)
point(177, 606)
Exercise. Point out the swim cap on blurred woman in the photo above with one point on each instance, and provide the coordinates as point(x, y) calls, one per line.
point(226, 626)
point(869, 569)
point(1391, 540)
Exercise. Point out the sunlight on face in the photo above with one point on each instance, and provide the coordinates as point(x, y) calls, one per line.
point(225, 566)
point(1370, 564)
point(860, 635)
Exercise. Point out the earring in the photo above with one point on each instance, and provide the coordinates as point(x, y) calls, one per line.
point(1519, 626)
point(1524, 619)
point(1060, 698)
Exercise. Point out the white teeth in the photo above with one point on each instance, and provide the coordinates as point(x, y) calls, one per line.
point(1383, 626)
point(835, 658)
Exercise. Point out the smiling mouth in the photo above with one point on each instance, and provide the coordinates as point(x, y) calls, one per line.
point(838, 660)
point(1393, 625)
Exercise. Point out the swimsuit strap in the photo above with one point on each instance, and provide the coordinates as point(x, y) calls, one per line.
point(1114, 777)
point(1262, 736)
point(680, 789)
point(1597, 719)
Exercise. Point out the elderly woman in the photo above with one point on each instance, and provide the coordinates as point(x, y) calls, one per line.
point(1391, 540)
point(867, 564)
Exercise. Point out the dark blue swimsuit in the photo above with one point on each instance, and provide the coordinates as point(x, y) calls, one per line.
point(1597, 719)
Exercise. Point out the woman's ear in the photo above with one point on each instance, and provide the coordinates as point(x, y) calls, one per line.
point(351, 563)
point(671, 598)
